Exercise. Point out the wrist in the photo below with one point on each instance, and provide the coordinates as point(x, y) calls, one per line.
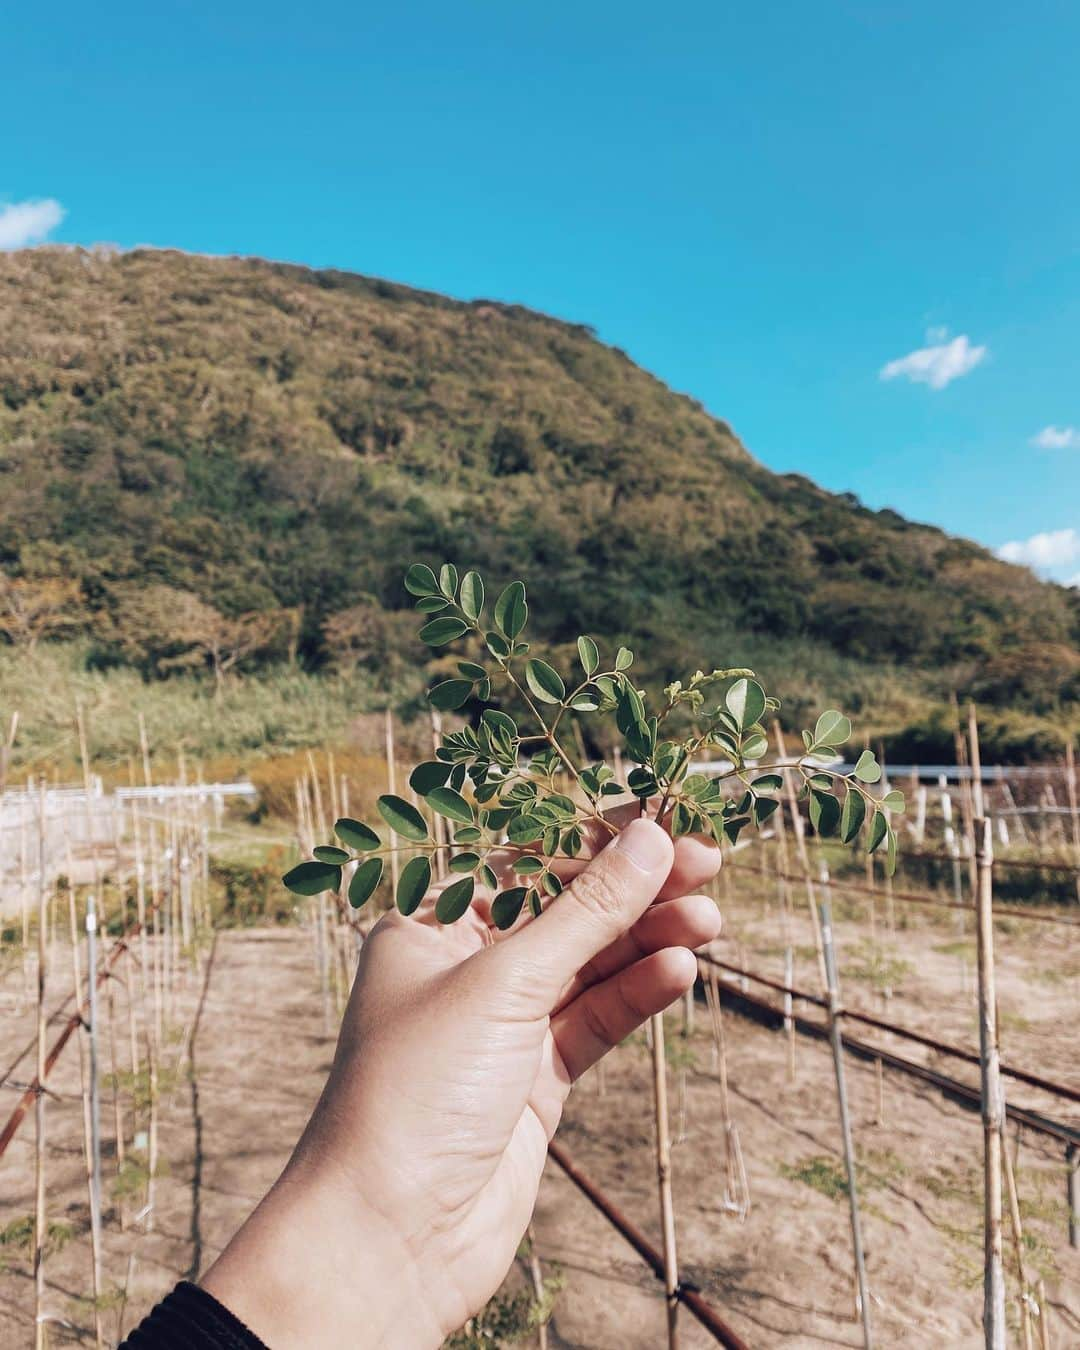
point(312, 1266)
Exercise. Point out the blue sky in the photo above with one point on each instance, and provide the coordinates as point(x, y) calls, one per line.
point(769, 206)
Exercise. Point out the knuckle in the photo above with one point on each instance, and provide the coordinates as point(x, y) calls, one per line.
point(598, 893)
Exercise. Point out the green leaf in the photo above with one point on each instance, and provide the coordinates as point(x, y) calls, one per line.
point(624, 658)
point(464, 862)
point(832, 728)
point(468, 834)
point(894, 800)
point(506, 907)
point(745, 701)
point(589, 656)
point(526, 866)
point(535, 906)
point(472, 671)
point(448, 580)
point(497, 645)
point(524, 830)
point(420, 580)
point(544, 682)
point(450, 803)
point(312, 878)
point(768, 782)
point(356, 834)
point(852, 816)
point(439, 632)
point(364, 880)
point(471, 598)
point(432, 773)
point(432, 604)
point(450, 694)
point(455, 900)
point(487, 877)
point(879, 828)
point(890, 853)
point(824, 812)
point(763, 809)
point(329, 854)
point(754, 747)
point(867, 769)
point(413, 884)
point(402, 817)
point(511, 610)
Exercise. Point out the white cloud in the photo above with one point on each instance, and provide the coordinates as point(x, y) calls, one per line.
point(1057, 438)
point(936, 365)
point(1052, 548)
point(23, 223)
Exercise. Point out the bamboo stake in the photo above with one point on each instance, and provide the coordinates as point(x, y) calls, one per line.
point(95, 1245)
point(536, 1275)
point(990, 1077)
point(1044, 1318)
point(836, 1038)
point(663, 1177)
point(1018, 1241)
point(1074, 807)
point(804, 857)
point(40, 1216)
point(95, 1099)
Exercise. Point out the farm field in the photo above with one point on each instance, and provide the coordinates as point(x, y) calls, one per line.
point(249, 1042)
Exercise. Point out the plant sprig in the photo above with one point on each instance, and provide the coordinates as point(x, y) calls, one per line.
point(496, 786)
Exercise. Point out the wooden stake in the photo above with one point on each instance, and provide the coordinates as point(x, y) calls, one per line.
point(804, 857)
point(41, 1229)
point(663, 1177)
point(536, 1275)
point(95, 1241)
point(1018, 1240)
point(836, 1038)
point(990, 1078)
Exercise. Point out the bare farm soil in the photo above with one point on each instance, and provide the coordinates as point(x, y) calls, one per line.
point(250, 1050)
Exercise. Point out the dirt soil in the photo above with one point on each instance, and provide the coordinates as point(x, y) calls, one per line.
point(251, 1048)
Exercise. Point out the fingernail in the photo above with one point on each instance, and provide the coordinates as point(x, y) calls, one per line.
point(645, 844)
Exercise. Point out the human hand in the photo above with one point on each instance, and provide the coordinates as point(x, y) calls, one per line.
point(403, 1205)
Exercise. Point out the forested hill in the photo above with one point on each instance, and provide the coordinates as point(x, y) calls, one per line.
point(267, 437)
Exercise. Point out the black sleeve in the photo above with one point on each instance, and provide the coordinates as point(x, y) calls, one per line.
point(191, 1319)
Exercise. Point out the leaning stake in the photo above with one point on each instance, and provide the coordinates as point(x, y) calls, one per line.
point(845, 1118)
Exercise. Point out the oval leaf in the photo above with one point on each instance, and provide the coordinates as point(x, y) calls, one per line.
point(439, 632)
point(356, 834)
point(745, 701)
point(455, 900)
point(420, 580)
point(464, 862)
point(544, 682)
point(867, 769)
point(329, 854)
point(589, 654)
point(450, 803)
point(312, 878)
point(402, 817)
point(366, 877)
point(432, 773)
point(450, 694)
point(506, 907)
point(448, 580)
point(471, 598)
point(412, 884)
point(624, 658)
point(832, 728)
point(824, 812)
point(853, 814)
point(879, 828)
point(511, 611)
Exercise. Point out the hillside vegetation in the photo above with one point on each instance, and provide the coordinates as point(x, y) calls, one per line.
point(222, 464)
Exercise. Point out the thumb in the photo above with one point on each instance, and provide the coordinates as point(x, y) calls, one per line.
point(598, 906)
